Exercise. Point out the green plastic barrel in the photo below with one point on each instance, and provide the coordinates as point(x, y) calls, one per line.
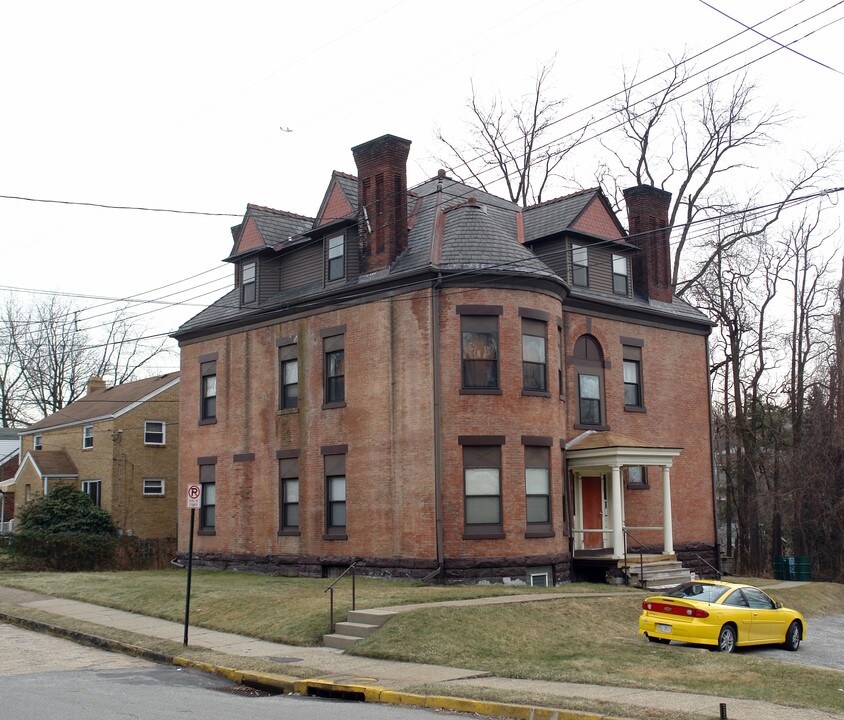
point(802, 568)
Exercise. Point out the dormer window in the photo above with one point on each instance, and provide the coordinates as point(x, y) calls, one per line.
point(335, 257)
point(579, 265)
point(619, 274)
point(248, 284)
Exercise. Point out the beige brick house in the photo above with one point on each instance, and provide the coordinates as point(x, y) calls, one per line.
point(120, 445)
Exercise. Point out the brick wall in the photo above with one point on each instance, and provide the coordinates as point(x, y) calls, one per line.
point(675, 394)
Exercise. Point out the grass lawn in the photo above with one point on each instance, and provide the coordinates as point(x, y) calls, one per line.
point(591, 640)
point(281, 609)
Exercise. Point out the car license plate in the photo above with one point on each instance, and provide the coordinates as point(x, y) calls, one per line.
point(660, 627)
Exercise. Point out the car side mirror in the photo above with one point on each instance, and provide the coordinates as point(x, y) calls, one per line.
point(779, 605)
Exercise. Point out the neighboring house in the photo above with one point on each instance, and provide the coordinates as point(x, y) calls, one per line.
point(118, 444)
point(438, 383)
point(9, 461)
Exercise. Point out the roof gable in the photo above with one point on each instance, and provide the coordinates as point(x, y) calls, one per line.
point(49, 463)
point(340, 200)
point(586, 211)
point(264, 227)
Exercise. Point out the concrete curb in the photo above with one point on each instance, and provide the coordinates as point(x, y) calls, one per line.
point(309, 687)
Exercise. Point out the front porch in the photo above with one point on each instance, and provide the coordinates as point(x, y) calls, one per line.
point(648, 570)
point(597, 462)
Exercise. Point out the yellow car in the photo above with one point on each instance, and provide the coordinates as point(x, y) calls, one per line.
point(724, 615)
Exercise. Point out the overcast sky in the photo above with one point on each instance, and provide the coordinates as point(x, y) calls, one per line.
point(180, 105)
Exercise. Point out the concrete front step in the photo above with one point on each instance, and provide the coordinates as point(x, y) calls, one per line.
point(339, 641)
point(358, 630)
point(360, 624)
point(370, 617)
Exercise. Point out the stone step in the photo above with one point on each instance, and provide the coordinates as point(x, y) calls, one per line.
point(339, 641)
point(357, 629)
point(370, 617)
point(633, 566)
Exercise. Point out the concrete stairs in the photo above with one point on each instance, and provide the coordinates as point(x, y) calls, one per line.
point(657, 575)
point(359, 624)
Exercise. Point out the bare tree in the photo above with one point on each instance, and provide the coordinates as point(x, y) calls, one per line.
point(690, 141)
point(12, 383)
point(512, 143)
point(53, 358)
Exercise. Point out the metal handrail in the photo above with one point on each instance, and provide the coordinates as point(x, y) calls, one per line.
point(330, 591)
point(706, 562)
point(627, 534)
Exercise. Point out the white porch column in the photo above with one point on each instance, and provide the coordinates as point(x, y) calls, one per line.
point(667, 530)
point(578, 512)
point(616, 500)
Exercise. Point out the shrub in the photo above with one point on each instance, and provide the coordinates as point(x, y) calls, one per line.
point(64, 510)
point(64, 531)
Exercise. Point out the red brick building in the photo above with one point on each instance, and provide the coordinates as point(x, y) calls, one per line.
point(439, 384)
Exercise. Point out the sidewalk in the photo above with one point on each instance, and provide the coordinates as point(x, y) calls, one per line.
point(386, 681)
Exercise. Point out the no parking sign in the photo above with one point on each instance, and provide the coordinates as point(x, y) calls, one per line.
point(194, 495)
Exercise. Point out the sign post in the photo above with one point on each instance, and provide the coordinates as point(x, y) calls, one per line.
point(194, 497)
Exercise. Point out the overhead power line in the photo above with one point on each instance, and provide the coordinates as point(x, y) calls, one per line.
point(120, 207)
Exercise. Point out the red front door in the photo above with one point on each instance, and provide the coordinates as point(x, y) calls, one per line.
point(593, 512)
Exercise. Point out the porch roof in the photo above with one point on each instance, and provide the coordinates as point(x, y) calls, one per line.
point(593, 449)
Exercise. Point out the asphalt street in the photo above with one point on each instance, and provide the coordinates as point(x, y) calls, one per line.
point(44, 678)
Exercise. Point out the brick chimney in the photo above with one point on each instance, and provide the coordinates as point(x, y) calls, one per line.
point(96, 384)
point(382, 193)
point(647, 214)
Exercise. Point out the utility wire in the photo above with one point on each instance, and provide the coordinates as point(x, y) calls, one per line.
point(784, 47)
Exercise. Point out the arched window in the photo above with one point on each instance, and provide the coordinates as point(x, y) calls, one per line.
point(589, 368)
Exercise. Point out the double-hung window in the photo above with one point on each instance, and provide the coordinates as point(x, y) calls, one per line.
point(335, 257)
point(334, 365)
point(335, 492)
point(588, 361)
point(632, 369)
point(479, 348)
point(155, 432)
point(579, 265)
point(208, 389)
point(288, 492)
point(288, 374)
point(38, 442)
point(248, 282)
point(619, 274)
point(534, 355)
point(538, 488)
point(482, 508)
point(208, 501)
point(87, 437)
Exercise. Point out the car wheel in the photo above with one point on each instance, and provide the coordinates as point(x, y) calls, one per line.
point(662, 641)
point(727, 639)
point(792, 637)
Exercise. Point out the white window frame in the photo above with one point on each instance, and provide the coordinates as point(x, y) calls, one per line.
point(163, 432)
point(86, 488)
point(38, 442)
point(580, 261)
point(533, 576)
point(158, 493)
point(86, 436)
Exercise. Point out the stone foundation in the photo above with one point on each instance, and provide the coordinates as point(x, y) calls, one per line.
point(455, 570)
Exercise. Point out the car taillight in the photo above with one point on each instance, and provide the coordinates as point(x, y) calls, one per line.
point(674, 609)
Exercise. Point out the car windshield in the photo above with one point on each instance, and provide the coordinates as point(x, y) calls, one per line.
point(702, 592)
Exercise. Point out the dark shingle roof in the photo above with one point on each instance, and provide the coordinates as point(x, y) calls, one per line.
point(276, 226)
point(349, 185)
point(222, 309)
point(554, 216)
point(105, 403)
point(480, 237)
